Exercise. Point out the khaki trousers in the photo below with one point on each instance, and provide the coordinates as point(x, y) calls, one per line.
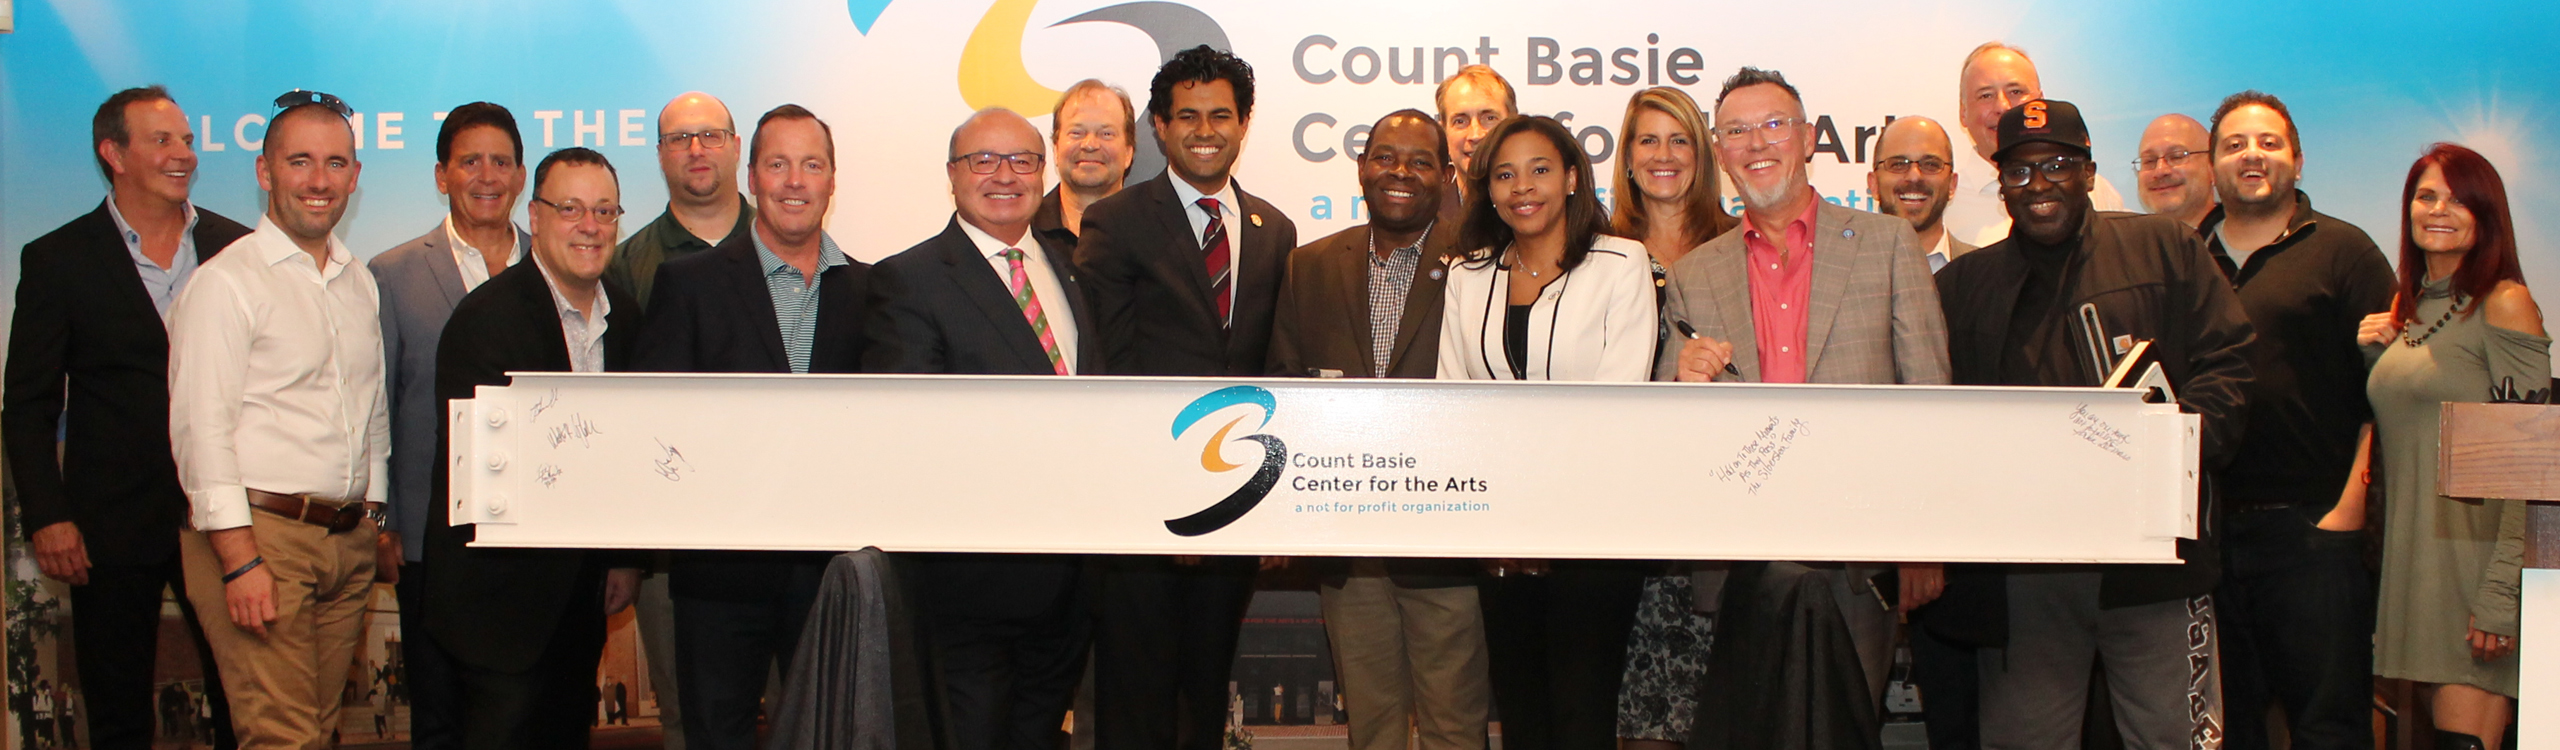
point(1409, 660)
point(285, 688)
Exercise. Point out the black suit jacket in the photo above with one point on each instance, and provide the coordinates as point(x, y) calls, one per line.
point(496, 608)
point(1142, 271)
point(939, 307)
point(710, 313)
point(86, 336)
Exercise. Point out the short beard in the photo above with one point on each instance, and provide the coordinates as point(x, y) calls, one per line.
point(1937, 204)
point(1753, 198)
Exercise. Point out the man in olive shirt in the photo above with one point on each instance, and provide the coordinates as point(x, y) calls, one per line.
point(698, 154)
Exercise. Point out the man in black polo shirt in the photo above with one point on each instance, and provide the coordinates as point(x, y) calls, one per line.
point(2296, 600)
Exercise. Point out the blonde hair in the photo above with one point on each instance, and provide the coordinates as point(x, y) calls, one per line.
point(1705, 217)
point(1483, 76)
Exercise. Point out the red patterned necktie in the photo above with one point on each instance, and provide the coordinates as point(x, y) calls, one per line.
point(1213, 243)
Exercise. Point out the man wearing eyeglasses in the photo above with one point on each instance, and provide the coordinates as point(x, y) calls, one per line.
point(1916, 160)
point(2296, 598)
point(1805, 292)
point(779, 298)
point(2176, 169)
point(989, 295)
point(283, 436)
point(2057, 304)
point(526, 626)
point(698, 156)
point(480, 170)
point(1095, 130)
point(1994, 78)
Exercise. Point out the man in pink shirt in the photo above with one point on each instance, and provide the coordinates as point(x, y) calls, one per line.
point(1821, 294)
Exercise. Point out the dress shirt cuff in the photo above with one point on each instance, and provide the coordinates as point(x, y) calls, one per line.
point(377, 487)
point(220, 507)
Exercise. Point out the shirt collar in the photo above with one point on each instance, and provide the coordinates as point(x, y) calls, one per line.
point(1800, 226)
point(2211, 228)
point(515, 247)
point(274, 246)
point(828, 255)
point(560, 303)
point(987, 244)
point(1191, 196)
point(133, 238)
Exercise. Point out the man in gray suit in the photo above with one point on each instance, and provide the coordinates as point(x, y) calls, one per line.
point(1807, 292)
point(480, 170)
point(1914, 178)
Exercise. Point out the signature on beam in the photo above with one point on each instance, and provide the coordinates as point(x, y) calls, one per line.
point(544, 404)
point(577, 428)
point(1758, 459)
point(671, 463)
point(547, 474)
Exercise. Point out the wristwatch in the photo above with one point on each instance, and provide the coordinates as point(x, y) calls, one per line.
point(379, 514)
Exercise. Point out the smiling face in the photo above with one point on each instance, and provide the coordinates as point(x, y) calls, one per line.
point(1661, 156)
point(1001, 202)
point(2050, 207)
point(694, 168)
point(1467, 112)
point(483, 178)
point(308, 169)
point(158, 157)
point(1401, 174)
point(1527, 182)
point(794, 178)
point(2438, 222)
point(1992, 84)
point(2255, 163)
point(1766, 174)
point(1916, 145)
point(1094, 144)
point(2179, 181)
point(1204, 134)
point(577, 251)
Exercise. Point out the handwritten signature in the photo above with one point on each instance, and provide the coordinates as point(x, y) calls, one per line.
point(577, 428)
point(1758, 459)
point(671, 463)
point(2097, 432)
point(547, 474)
point(535, 411)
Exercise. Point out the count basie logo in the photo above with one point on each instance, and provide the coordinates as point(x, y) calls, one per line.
point(1275, 457)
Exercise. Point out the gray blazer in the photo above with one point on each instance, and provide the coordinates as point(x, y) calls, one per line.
point(420, 286)
point(1874, 315)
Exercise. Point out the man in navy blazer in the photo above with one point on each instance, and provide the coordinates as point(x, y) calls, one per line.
point(1183, 272)
point(480, 170)
point(781, 299)
point(102, 506)
point(991, 296)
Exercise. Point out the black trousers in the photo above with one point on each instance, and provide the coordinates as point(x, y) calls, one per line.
point(1007, 682)
point(1164, 648)
point(2297, 628)
point(1950, 688)
point(115, 632)
point(1558, 648)
point(725, 648)
point(549, 705)
point(426, 668)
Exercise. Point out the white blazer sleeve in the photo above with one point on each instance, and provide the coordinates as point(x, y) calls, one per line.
point(1629, 322)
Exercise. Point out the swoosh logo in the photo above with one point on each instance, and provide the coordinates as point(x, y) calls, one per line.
point(1275, 456)
point(992, 74)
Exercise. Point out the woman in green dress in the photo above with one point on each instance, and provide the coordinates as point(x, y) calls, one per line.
point(2463, 328)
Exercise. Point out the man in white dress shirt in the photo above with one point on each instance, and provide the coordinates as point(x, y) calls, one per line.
point(281, 428)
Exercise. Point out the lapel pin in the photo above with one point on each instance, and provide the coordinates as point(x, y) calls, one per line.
point(1256, 218)
point(1435, 274)
point(1848, 233)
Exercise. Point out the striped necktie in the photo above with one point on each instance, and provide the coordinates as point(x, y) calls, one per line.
point(1213, 243)
point(1020, 281)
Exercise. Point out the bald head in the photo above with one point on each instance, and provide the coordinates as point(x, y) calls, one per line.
point(1916, 134)
point(997, 174)
point(693, 109)
point(698, 149)
point(2176, 168)
point(1915, 174)
point(984, 124)
point(1995, 78)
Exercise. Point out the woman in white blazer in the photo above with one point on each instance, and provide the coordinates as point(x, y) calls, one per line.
point(1545, 294)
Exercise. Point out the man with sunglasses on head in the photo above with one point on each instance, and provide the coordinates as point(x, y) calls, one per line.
point(2021, 312)
point(283, 436)
point(1917, 161)
point(480, 170)
point(991, 295)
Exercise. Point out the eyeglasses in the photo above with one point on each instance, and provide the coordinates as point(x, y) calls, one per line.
point(984, 162)
point(2053, 169)
point(299, 97)
point(573, 212)
point(712, 139)
point(2172, 157)
point(1775, 131)
point(1930, 166)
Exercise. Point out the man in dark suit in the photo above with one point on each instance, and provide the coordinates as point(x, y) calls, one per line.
point(525, 627)
point(781, 299)
point(1182, 272)
point(1408, 635)
point(480, 170)
point(104, 504)
point(989, 295)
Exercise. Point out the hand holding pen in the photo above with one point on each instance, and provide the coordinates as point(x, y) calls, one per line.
point(1702, 358)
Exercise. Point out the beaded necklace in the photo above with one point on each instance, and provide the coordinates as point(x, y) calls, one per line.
point(2408, 340)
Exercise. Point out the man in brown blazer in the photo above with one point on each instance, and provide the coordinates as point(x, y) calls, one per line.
point(1365, 302)
point(1806, 292)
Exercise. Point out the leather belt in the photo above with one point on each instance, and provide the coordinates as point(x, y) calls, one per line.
point(335, 515)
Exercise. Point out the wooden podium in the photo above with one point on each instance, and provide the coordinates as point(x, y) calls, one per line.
point(2512, 451)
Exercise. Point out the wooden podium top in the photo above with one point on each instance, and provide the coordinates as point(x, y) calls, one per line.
point(2507, 451)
